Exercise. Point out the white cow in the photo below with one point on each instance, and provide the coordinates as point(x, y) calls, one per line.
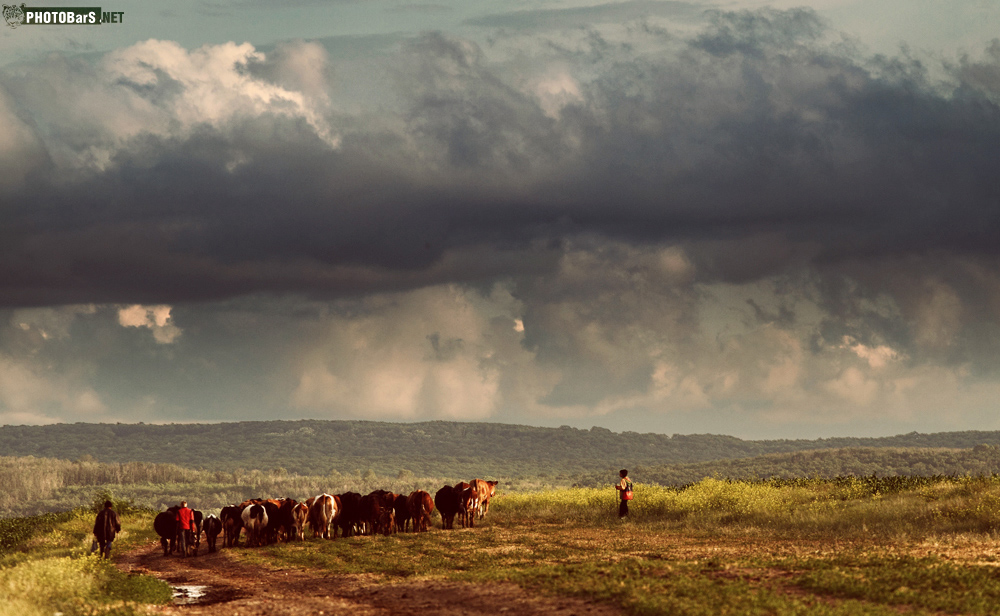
point(255, 521)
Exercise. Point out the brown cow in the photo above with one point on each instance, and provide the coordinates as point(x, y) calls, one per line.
point(420, 506)
point(284, 520)
point(300, 515)
point(322, 513)
point(469, 507)
point(387, 519)
point(376, 514)
point(486, 490)
point(468, 504)
point(339, 509)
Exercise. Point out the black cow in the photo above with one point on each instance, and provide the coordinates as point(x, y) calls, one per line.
point(350, 514)
point(165, 525)
point(448, 501)
point(198, 520)
point(232, 523)
point(212, 526)
point(274, 523)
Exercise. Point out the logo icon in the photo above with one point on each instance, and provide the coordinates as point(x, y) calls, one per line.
point(13, 15)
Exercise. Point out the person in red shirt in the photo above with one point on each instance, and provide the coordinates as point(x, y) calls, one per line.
point(185, 524)
point(624, 488)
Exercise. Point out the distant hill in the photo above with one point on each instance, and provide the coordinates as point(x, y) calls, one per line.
point(438, 448)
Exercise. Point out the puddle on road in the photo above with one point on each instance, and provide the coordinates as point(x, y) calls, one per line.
point(187, 594)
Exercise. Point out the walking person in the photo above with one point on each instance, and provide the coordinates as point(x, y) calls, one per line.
point(624, 488)
point(185, 522)
point(105, 527)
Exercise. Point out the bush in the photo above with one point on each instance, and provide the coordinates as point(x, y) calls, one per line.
point(76, 585)
point(122, 506)
point(15, 532)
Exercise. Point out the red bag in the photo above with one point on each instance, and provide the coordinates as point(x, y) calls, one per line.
point(627, 495)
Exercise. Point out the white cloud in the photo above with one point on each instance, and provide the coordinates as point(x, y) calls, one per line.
point(423, 354)
point(555, 90)
point(32, 393)
point(877, 356)
point(938, 316)
point(86, 114)
point(211, 84)
point(854, 386)
point(156, 318)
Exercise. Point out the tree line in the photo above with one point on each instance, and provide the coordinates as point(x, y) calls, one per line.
point(30, 485)
point(824, 463)
point(436, 448)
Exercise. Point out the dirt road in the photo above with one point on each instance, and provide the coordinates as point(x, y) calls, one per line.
point(232, 588)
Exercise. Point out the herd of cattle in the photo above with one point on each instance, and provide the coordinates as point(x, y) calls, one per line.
point(266, 521)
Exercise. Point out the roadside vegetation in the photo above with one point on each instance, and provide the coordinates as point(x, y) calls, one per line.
point(46, 567)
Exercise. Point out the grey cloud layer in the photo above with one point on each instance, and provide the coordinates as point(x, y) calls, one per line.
point(757, 125)
point(753, 225)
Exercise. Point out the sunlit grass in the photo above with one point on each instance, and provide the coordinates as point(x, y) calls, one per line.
point(46, 567)
point(832, 547)
point(716, 547)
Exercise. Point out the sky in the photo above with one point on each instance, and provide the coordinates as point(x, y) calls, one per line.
point(762, 219)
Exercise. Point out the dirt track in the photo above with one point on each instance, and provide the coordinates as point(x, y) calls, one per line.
point(234, 588)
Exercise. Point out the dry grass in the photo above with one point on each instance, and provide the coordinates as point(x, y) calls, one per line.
point(720, 548)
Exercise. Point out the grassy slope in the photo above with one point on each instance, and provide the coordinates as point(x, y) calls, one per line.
point(46, 568)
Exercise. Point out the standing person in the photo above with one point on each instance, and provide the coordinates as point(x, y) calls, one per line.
point(624, 488)
point(105, 527)
point(185, 521)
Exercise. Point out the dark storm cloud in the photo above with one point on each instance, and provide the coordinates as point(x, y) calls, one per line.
point(758, 128)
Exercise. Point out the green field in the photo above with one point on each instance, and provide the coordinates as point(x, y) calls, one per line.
point(844, 546)
point(46, 567)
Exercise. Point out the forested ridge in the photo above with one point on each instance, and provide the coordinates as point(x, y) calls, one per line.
point(31, 485)
point(316, 447)
point(51, 468)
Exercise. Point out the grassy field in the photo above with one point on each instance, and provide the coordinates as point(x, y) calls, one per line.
point(847, 546)
point(809, 547)
point(46, 567)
